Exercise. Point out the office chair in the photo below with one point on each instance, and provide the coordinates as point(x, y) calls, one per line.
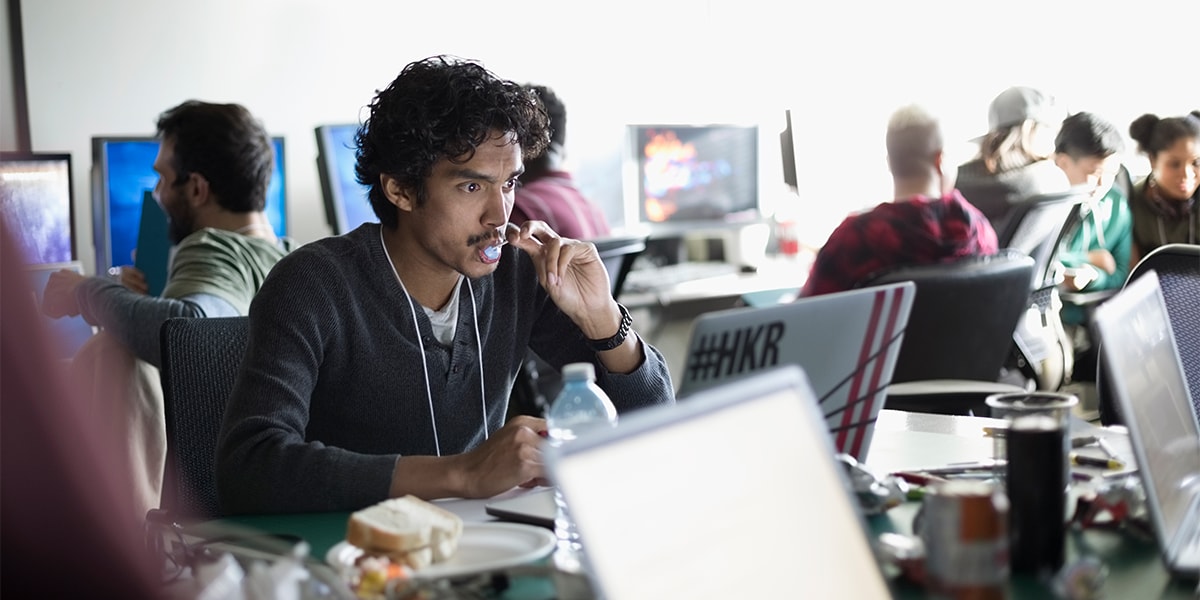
point(1042, 351)
point(959, 333)
point(618, 254)
point(1036, 227)
point(537, 383)
point(200, 361)
point(1178, 269)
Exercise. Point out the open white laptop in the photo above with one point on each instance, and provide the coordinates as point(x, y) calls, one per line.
point(733, 494)
point(846, 343)
point(1148, 384)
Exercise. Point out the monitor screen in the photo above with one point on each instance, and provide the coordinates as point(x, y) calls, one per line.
point(37, 205)
point(124, 171)
point(787, 148)
point(695, 173)
point(346, 203)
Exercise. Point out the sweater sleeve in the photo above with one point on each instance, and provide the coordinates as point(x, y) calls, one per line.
point(135, 319)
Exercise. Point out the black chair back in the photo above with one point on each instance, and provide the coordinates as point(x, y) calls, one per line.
point(1178, 269)
point(1037, 226)
point(963, 316)
point(618, 254)
point(200, 361)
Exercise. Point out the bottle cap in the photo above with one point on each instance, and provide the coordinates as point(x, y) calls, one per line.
point(579, 371)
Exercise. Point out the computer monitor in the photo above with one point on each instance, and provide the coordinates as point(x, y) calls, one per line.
point(688, 176)
point(122, 171)
point(346, 203)
point(787, 148)
point(37, 204)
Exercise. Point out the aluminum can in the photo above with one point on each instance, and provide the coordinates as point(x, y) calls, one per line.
point(964, 526)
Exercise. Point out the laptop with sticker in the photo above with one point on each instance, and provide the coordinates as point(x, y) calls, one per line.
point(847, 344)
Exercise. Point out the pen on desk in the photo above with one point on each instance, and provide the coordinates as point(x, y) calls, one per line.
point(966, 467)
point(1107, 448)
point(1080, 476)
point(918, 478)
point(1084, 460)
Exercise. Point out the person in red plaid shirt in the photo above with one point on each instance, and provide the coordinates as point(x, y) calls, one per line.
point(927, 222)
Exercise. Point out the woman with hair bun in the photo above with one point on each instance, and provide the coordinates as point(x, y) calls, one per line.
point(1164, 203)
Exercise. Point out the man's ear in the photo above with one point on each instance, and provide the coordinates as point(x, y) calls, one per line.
point(938, 160)
point(197, 190)
point(396, 193)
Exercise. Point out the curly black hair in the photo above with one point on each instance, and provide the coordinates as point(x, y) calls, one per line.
point(440, 107)
point(225, 144)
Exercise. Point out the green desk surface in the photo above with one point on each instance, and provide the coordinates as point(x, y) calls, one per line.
point(1135, 569)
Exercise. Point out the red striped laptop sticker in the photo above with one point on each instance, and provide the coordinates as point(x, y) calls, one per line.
point(877, 374)
point(871, 344)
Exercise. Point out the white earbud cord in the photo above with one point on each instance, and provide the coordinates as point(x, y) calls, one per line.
point(479, 349)
point(424, 366)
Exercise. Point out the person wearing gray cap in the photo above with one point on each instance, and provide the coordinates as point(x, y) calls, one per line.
point(1015, 156)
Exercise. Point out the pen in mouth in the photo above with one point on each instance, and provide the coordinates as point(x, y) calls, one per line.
point(499, 239)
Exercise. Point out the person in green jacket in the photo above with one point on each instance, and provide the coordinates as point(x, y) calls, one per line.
point(1095, 256)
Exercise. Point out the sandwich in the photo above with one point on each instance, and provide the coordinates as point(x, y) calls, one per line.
point(407, 530)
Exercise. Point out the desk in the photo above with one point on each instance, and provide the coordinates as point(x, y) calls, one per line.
point(904, 440)
point(901, 440)
point(664, 317)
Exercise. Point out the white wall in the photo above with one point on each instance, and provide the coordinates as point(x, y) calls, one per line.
point(110, 66)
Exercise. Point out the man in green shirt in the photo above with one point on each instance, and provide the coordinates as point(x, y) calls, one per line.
point(1095, 255)
point(214, 164)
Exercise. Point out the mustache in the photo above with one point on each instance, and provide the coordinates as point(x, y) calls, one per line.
point(490, 235)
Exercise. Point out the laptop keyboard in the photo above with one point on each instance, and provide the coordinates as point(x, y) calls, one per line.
point(665, 277)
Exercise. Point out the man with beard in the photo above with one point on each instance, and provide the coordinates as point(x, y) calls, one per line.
point(214, 164)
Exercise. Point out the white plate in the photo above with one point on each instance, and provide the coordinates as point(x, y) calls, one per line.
point(482, 547)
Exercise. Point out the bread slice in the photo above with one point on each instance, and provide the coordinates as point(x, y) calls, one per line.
point(406, 529)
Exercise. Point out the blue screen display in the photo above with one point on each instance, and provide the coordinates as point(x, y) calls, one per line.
point(128, 172)
point(348, 206)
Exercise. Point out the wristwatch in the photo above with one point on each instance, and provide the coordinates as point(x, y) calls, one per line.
point(619, 337)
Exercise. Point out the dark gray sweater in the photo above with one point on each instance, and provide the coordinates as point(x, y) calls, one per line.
point(332, 390)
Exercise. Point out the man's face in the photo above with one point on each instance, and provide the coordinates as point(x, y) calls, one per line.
point(465, 205)
point(172, 194)
point(1093, 173)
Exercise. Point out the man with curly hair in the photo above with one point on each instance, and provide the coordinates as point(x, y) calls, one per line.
point(380, 362)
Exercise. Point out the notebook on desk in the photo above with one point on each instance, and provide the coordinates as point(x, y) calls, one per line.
point(1141, 359)
point(847, 343)
point(733, 494)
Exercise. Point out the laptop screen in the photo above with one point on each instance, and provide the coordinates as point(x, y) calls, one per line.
point(1143, 362)
point(734, 494)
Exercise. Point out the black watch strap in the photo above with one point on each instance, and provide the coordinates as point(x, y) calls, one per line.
point(618, 338)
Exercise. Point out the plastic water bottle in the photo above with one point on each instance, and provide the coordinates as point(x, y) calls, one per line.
point(580, 406)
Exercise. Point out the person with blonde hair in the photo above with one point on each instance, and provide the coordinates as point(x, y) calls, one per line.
point(927, 220)
point(1015, 160)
